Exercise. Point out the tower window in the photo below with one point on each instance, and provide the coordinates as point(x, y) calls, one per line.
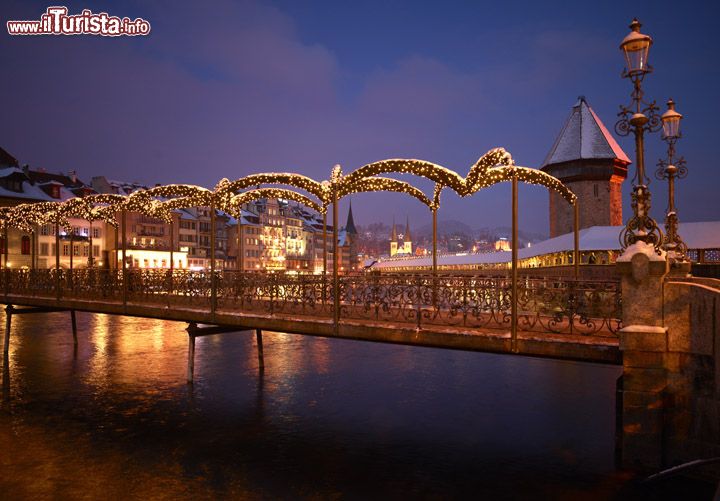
point(595, 189)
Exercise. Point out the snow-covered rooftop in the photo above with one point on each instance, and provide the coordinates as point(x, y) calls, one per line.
point(698, 235)
point(584, 136)
point(7, 171)
point(30, 192)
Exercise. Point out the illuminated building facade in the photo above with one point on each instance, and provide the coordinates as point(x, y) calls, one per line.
point(88, 242)
point(502, 244)
point(278, 235)
point(251, 231)
point(281, 236)
point(297, 243)
point(148, 258)
point(272, 237)
point(193, 230)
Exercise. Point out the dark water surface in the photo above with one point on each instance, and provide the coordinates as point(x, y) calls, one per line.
point(326, 419)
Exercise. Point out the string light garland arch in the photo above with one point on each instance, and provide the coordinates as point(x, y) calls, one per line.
point(526, 175)
point(493, 167)
point(315, 188)
point(420, 168)
point(374, 184)
point(248, 196)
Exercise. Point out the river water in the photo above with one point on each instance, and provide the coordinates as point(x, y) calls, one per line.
point(334, 419)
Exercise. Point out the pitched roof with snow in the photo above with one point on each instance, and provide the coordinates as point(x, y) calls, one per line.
point(7, 159)
point(9, 171)
point(30, 193)
point(584, 137)
point(43, 177)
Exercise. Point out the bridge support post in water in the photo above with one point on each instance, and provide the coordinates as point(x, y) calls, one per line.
point(644, 345)
point(73, 320)
point(261, 357)
point(10, 310)
point(8, 325)
point(191, 329)
point(194, 331)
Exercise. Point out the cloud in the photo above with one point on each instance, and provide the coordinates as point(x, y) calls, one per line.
point(233, 89)
point(149, 108)
point(419, 88)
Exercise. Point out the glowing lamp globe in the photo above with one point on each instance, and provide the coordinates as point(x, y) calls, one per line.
point(635, 47)
point(671, 121)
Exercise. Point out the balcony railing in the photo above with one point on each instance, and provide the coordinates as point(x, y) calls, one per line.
point(148, 246)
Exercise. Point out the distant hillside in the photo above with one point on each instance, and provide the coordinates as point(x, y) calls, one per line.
point(454, 227)
point(527, 236)
point(445, 228)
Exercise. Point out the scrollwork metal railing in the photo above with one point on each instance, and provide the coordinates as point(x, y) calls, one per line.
point(552, 305)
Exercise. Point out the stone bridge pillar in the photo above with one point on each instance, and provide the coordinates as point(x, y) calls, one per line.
point(644, 344)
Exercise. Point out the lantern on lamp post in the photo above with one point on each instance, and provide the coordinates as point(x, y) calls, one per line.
point(669, 169)
point(637, 118)
point(671, 122)
point(636, 48)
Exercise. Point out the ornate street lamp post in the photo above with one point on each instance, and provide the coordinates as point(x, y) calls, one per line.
point(672, 168)
point(638, 118)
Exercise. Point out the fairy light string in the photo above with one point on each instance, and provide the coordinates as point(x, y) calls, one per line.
point(236, 201)
point(159, 202)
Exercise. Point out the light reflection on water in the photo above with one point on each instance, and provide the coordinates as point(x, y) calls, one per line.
point(327, 418)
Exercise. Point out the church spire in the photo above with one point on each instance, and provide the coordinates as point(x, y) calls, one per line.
point(350, 225)
point(393, 234)
point(406, 235)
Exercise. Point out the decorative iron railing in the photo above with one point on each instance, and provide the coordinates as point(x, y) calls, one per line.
point(555, 305)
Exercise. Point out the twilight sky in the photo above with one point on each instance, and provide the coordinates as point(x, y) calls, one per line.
point(226, 89)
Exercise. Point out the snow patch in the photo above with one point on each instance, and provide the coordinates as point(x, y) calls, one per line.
point(641, 247)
